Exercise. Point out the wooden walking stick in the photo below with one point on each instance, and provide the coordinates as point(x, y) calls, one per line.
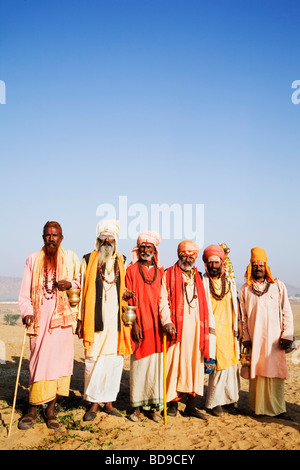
point(165, 378)
point(17, 381)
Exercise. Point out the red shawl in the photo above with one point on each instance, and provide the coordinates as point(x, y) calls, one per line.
point(175, 289)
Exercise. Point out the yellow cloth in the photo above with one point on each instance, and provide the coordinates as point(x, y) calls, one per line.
point(226, 351)
point(258, 254)
point(266, 396)
point(44, 391)
point(88, 306)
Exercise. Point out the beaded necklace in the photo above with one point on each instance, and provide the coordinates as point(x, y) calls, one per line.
point(224, 286)
point(260, 292)
point(49, 293)
point(104, 280)
point(147, 281)
point(194, 296)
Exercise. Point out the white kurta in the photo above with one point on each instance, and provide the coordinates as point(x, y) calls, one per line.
point(103, 366)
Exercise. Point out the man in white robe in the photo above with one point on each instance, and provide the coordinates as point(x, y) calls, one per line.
point(100, 324)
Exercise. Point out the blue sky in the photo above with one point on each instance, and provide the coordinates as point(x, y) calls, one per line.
point(161, 101)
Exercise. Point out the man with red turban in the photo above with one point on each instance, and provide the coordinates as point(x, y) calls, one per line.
point(143, 282)
point(267, 332)
point(184, 315)
point(221, 294)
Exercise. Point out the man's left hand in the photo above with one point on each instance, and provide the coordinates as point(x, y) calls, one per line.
point(63, 285)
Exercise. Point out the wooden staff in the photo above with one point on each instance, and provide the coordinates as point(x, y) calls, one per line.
point(165, 378)
point(17, 381)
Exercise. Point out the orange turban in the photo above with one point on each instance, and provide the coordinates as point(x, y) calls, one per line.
point(188, 247)
point(258, 254)
point(214, 250)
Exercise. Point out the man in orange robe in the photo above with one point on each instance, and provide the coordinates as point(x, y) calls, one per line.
point(184, 315)
point(143, 281)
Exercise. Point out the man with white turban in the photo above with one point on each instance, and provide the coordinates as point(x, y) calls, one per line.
point(184, 316)
point(143, 281)
point(106, 338)
point(268, 332)
point(221, 294)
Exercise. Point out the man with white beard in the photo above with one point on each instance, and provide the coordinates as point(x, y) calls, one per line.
point(106, 338)
point(184, 316)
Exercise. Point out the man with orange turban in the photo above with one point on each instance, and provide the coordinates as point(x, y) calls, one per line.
point(184, 315)
point(143, 282)
point(221, 294)
point(267, 332)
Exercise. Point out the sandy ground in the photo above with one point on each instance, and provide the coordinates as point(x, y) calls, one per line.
point(241, 431)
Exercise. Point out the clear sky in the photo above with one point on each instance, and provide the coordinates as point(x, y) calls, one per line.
point(159, 102)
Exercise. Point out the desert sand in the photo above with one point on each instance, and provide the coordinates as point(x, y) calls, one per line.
point(233, 431)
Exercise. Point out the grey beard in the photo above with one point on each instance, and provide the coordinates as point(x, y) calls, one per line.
point(187, 267)
point(146, 256)
point(105, 252)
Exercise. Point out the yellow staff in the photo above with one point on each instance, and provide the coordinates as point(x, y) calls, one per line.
point(165, 378)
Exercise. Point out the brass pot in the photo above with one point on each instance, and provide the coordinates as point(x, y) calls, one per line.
point(74, 297)
point(129, 315)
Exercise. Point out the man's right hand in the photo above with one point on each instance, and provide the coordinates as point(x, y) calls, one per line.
point(137, 333)
point(78, 331)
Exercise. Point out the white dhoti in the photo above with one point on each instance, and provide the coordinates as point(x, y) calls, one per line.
point(146, 381)
point(223, 387)
point(103, 366)
point(102, 378)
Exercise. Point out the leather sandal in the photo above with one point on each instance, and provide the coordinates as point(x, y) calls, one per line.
point(113, 412)
point(52, 422)
point(89, 416)
point(26, 422)
point(194, 413)
point(172, 409)
point(135, 416)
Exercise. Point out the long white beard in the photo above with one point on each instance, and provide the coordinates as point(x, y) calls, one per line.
point(105, 253)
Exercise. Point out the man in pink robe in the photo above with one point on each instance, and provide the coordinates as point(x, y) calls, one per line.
point(49, 319)
point(267, 331)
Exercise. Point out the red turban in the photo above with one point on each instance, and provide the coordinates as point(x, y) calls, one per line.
point(214, 250)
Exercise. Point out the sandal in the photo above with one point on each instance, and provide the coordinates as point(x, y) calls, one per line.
point(135, 417)
point(113, 412)
point(155, 417)
point(52, 423)
point(26, 422)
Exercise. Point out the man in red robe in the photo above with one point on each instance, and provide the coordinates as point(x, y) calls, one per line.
point(143, 281)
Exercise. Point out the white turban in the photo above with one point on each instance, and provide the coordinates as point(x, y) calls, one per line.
point(107, 227)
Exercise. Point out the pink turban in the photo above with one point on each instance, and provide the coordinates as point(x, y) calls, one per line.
point(214, 250)
point(150, 237)
point(189, 247)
